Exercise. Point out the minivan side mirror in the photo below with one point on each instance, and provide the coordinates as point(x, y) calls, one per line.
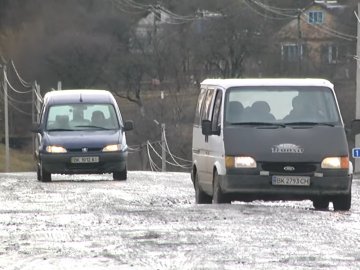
point(128, 125)
point(36, 128)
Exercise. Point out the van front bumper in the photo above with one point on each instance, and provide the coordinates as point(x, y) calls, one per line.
point(259, 187)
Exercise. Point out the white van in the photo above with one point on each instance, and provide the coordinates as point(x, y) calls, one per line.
point(270, 139)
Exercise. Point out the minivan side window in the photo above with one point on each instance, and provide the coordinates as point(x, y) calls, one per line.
point(216, 117)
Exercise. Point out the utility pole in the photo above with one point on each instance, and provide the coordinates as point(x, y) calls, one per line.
point(357, 137)
point(163, 148)
point(6, 116)
point(299, 45)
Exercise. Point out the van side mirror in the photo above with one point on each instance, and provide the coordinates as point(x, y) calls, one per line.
point(206, 127)
point(128, 125)
point(36, 128)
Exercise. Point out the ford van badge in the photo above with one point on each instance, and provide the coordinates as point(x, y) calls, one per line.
point(289, 168)
point(287, 148)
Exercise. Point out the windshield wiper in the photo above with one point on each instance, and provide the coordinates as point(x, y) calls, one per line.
point(98, 127)
point(60, 129)
point(267, 124)
point(309, 124)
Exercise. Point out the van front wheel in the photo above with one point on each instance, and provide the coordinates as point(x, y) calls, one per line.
point(342, 203)
point(200, 196)
point(218, 195)
point(321, 204)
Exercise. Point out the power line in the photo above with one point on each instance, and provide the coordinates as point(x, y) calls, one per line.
point(121, 7)
point(153, 165)
point(328, 31)
point(23, 82)
point(12, 88)
point(321, 27)
point(175, 163)
point(10, 102)
point(265, 15)
point(271, 9)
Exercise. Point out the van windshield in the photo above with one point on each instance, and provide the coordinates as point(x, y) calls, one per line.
point(281, 105)
point(81, 117)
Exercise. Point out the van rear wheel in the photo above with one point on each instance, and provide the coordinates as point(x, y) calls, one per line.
point(200, 196)
point(218, 195)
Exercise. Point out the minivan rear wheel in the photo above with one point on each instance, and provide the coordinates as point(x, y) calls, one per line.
point(200, 196)
point(218, 195)
point(342, 202)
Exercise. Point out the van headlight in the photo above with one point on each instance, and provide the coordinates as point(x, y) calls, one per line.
point(240, 162)
point(112, 148)
point(55, 149)
point(335, 163)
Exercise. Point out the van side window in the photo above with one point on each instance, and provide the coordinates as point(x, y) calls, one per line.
point(199, 106)
point(206, 109)
point(216, 117)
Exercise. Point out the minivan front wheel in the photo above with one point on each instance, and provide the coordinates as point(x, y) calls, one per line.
point(200, 196)
point(120, 175)
point(42, 174)
point(218, 195)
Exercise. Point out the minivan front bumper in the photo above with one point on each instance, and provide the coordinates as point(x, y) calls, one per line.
point(61, 163)
point(260, 187)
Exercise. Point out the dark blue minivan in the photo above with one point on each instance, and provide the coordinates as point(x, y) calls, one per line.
point(81, 132)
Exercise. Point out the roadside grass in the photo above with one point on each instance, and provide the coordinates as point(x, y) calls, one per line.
point(20, 160)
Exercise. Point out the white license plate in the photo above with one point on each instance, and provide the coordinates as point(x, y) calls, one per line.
point(84, 159)
point(286, 180)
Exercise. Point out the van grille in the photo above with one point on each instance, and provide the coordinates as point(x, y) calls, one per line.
point(284, 167)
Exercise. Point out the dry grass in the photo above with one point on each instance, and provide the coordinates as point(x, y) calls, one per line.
point(20, 160)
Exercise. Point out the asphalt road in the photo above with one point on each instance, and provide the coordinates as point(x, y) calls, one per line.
point(152, 222)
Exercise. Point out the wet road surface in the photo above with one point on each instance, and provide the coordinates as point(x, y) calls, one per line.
point(151, 221)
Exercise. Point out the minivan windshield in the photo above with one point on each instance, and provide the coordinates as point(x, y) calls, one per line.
point(81, 117)
point(281, 105)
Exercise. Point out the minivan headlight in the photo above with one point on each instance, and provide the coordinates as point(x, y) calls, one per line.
point(112, 148)
point(335, 163)
point(240, 162)
point(55, 149)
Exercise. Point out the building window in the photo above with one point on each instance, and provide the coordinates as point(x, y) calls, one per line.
point(330, 54)
point(316, 17)
point(291, 52)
